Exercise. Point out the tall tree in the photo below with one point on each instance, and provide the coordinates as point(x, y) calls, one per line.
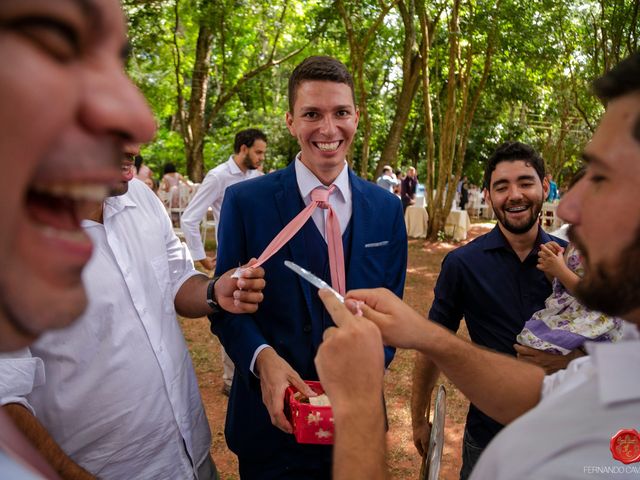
point(360, 39)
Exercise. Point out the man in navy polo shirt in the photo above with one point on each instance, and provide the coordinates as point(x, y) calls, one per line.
point(492, 282)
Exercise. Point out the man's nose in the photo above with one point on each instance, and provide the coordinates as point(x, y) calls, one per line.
point(328, 125)
point(570, 207)
point(515, 193)
point(112, 104)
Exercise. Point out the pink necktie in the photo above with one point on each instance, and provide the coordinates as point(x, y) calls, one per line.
point(319, 198)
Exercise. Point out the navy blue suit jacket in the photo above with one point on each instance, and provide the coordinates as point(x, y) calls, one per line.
point(253, 213)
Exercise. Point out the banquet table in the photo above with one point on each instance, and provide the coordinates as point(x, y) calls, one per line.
point(416, 220)
point(457, 225)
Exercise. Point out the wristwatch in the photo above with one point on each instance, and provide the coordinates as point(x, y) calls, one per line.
point(211, 295)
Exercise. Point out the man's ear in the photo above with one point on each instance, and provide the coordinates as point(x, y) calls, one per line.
point(487, 197)
point(288, 118)
point(243, 151)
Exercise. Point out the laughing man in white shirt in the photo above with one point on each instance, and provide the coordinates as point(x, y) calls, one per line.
point(117, 390)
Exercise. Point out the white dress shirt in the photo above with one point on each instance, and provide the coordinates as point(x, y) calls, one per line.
point(567, 434)
point(121, 396)
point(210, 194)
point(340, 201)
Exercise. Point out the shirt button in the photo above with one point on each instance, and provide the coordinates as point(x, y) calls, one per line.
point(307, 328)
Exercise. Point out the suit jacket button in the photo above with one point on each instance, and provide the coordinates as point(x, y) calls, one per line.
point(307, 328)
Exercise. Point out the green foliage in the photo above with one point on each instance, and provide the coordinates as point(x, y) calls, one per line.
point(537, 91)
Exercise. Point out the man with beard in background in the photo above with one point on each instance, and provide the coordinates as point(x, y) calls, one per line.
point(492, 282)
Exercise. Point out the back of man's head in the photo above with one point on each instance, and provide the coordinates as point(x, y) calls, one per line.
point(511, 152)
point(318, 68)
point(247, 137)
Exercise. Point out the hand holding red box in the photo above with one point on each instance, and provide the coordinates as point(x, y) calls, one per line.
point(311, 423)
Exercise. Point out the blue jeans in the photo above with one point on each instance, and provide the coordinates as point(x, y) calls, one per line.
point(470, 454)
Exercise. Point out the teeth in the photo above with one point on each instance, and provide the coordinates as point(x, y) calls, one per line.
point(328, 147)
point(517, 209)
point(69, 235)
point(87, 192)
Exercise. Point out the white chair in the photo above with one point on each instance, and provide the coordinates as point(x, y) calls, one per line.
point(178, 200)
point(550, 220)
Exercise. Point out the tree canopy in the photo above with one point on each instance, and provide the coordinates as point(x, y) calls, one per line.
point(439, 84)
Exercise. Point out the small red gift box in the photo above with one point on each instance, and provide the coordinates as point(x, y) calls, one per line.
point(311, 424)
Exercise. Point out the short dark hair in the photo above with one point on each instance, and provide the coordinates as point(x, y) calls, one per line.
point(319, 68)
point(169, 168)
point(248, 137)
point(511, 152)
point(621, 80)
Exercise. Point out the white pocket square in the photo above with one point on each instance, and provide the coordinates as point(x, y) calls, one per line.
point(376, 244)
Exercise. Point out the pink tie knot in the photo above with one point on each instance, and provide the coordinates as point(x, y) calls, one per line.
point(321, 195)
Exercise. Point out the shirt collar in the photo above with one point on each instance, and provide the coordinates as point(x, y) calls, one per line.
point(495, 239)
point(233, 167)
point(307, 181)
point(114, 205)
point(617, 365)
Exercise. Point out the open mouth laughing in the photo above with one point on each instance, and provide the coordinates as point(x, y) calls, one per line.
point(54, 212)
point(328, 146)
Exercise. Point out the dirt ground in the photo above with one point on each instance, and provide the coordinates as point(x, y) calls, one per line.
point(404, 463)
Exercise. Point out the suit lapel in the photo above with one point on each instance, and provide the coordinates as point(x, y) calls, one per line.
point(288, 204)
point(360, 222)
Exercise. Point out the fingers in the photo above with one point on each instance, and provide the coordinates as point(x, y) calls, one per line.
point(329, 332)
point(524, 352)
point(278, 418)
point(339, 313)
point(302, 387)
point(256, 284)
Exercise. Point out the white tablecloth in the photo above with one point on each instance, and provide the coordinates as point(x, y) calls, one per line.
point(416, 219)
point(457, 225)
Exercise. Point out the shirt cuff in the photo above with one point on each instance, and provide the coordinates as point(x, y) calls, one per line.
point(18, 378)
point(255, 357)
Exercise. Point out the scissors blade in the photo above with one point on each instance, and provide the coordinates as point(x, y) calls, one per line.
point(312, 279)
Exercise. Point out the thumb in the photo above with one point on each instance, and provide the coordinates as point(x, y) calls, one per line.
point(371, 314)
point(298, 383)
point(250, 263)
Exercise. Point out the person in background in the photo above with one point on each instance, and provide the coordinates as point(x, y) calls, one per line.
point(493, 283)
point(387, 180)
point(408, 188)
point(464, 195)
point(170, 183)
point(553, 189)
point(143, 172)
point(249, 151)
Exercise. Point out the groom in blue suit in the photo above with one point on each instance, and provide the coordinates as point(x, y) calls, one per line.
point(275, 347)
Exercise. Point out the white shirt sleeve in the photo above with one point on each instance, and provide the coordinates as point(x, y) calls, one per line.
point(20, 373)
point(178, 256)
point(195, 212)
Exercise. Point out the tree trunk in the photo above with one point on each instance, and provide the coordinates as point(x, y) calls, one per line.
point(410, 77)
point(194, 146)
